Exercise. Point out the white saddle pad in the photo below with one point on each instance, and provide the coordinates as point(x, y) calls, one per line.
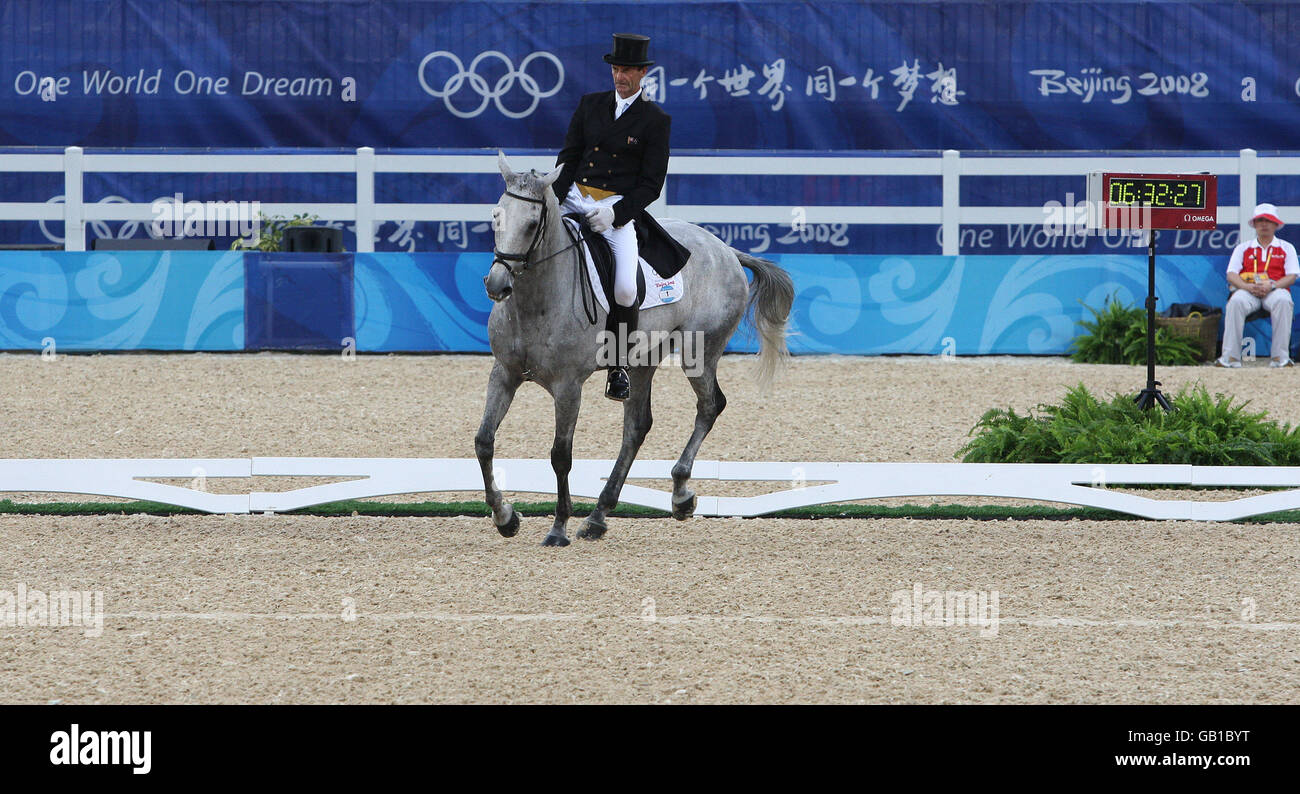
point(659, 291)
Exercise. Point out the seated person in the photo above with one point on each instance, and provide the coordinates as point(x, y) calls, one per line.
point(1260, 273)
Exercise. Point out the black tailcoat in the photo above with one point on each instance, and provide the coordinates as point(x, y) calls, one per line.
point(628, 156)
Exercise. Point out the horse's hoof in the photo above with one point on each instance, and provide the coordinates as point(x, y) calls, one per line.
point(684, 509)
point(555, 540)
point(511, 526)
point(592, 531)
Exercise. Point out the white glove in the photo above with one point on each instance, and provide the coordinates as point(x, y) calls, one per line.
point(600, 219)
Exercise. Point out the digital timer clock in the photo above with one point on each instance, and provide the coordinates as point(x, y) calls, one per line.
point(1187, 194)
point(1152, 201)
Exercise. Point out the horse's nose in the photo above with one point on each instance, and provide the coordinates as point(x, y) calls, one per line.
point(499, 296)
point(497, 283)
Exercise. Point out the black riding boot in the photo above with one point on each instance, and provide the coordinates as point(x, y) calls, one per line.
point(622, 324)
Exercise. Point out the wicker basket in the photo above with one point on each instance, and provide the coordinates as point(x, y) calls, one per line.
point(1204, 330)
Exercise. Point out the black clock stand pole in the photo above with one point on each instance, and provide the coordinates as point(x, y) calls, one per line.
point(1151, 394)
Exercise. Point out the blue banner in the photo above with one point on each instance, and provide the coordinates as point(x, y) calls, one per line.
point(825, 75)
point(395, 302)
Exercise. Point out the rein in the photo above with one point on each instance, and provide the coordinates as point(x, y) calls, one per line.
point(583, 278)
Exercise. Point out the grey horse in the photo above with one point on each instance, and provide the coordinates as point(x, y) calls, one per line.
point(541, 329)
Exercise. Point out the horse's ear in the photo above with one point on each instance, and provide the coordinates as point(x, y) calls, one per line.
point(550, 178)
point(504, 166)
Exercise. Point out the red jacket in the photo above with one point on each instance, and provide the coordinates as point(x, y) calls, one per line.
point(1248, 259)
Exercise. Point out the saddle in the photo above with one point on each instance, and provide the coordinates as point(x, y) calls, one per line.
point(602, 258)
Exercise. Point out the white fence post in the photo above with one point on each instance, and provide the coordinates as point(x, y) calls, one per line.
point(74, 209)
point(951, 170)
point(1248, 172)
point(365, 200)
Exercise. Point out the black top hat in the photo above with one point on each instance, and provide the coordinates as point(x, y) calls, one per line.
point(630, 50)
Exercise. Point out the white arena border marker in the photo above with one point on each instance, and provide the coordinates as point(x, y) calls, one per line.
point(1044, 482)
point(109, 477)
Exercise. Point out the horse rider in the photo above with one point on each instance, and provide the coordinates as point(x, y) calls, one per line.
point(615, 158)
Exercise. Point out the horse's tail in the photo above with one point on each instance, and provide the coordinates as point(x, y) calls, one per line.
point(770, 298)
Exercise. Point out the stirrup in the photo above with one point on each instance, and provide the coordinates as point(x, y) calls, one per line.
point(617, 385)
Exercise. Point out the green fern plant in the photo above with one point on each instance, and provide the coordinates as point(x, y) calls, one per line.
point(1102, 341)
point(1117, 334)
point(1202, 430)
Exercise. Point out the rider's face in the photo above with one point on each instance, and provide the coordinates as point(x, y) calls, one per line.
point(627, 79)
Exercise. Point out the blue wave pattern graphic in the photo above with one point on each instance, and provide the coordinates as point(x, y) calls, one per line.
point(865, 305)
point(421, 302)
point(145, 300)
point(979, 305)
point(847, 304)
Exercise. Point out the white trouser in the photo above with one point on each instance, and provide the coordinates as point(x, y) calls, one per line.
point(622, 241)
point(1240, 304)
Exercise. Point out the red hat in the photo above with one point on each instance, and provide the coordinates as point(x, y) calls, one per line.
point(1268, 212)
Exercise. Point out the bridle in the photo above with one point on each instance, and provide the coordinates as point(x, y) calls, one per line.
point(526, 257)
point(505, 258)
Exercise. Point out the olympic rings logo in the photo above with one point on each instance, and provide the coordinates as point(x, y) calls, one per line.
point(480, 85)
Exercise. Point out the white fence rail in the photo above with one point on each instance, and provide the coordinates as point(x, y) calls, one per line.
point(1078, 484)
point(949, 166)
